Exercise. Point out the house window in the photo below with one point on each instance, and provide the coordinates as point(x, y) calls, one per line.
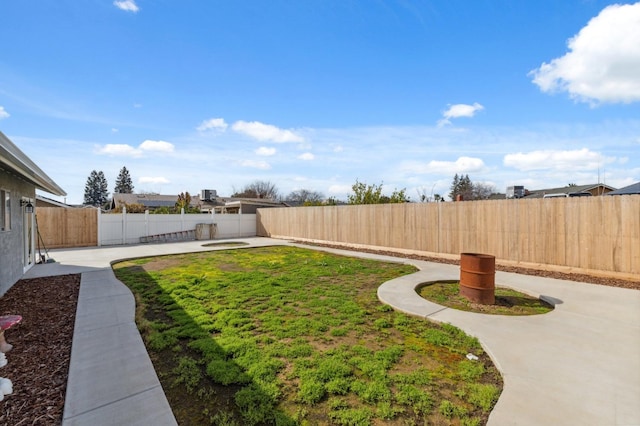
point(5, 210)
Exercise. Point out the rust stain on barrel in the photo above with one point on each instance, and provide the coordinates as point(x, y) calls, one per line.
point(477, 277)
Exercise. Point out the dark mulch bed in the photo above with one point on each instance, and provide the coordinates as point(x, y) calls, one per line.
point(39, 361)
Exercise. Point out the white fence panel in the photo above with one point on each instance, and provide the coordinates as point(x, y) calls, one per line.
point(235, 225)
point(128, 228)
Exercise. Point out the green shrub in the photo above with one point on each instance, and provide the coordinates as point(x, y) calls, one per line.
point(418, 400)
point(389, 356)
point(339, 332)
point(352, 416)
point(386, 411)
point(373, 392)
point(256, 405)
point(159, 340)
point(420, 376)
point(338, 386)
point(482, 396)
point(473, 421)
point(187, 372)
point(451, 410)
point(207, 347)
point(382, 323)
point(331, 368)
point(226, 372)
point(265, 370)
point(311, 391)
point(470, 371)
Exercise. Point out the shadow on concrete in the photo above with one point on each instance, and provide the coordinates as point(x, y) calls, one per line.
point(551, 300)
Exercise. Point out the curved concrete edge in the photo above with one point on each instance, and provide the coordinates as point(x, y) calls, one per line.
point(578, 364)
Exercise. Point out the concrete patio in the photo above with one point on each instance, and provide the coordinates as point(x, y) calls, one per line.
point(576, 365)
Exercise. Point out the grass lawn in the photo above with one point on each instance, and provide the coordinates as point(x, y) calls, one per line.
point(508, 301)
point(282, 335)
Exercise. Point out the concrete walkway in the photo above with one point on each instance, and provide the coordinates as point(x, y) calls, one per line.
point(579, 364)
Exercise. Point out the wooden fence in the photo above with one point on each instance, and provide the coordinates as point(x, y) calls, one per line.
point(577, 234)
point(60, 228)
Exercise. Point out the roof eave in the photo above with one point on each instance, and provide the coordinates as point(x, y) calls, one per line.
point(18, 163)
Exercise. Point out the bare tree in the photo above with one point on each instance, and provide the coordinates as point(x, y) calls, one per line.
point(306, 197)
point(482, 191)
point(258, 189)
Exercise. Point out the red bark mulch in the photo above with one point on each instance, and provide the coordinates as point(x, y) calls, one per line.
point(38, 364)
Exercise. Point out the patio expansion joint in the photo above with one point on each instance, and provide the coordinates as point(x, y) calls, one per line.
point(82, 329)
point(429, 315)
point(115, 401)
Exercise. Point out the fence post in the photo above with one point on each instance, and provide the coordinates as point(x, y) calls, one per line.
point(99, 230)
point(146, 223)
point(182, 218)
point(124, 225)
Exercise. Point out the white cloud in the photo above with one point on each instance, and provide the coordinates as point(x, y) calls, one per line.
point(153, 179)
point(265, 151)
point(582, 159)
point(212, 123)
point(3, 113)
point(603, 62)
point(137, 105)
point(461, 165)
point(114, 130)
point(265, 132)
point(130, 151)
point(127, 5)
point(157, 146)
point(306, 156)
point(262, 165)
point(459, 110)
point(338, 148)
point(119, 150)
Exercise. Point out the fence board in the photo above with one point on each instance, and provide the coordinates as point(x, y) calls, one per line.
point(62, 228)
point(589, 233)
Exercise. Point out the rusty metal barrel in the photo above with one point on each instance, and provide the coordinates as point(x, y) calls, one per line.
point(478, 277)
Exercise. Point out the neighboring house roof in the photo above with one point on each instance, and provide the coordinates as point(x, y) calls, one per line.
point(235, 205)
point(152, 201)
point(48, 202)
point(497, 196)
point(149, 200)
point(634, 188)
point(15, 161)
point(594, 189)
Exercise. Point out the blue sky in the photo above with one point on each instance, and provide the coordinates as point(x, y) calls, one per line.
point(207, 94)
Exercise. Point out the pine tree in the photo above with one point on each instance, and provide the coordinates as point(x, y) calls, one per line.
point(455, 187)
point(95, 190)
point(463, 186)
point(123, 182)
